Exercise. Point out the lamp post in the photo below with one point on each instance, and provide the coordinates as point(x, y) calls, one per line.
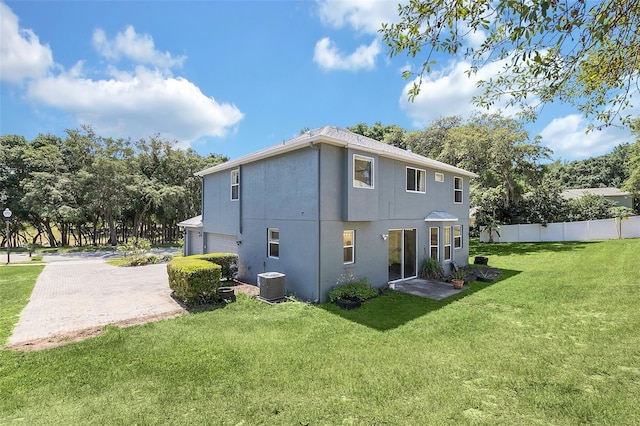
point(7, 215)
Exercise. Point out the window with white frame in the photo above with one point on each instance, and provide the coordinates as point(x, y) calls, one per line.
point(416, 180)
point(457, 236)
point(235, 184)
point(434, 243)
point(457, 190)
point(362, 172)
point(439, 177)
point(447, 243)
point(348, 246)
point(273, 237)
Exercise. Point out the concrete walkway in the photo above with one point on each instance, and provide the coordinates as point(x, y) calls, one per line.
point(77, 292)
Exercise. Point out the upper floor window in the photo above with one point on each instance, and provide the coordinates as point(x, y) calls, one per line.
point(348, 247)
point(457, 236)
point(439, 177)
point(457, 189)
point(416, 180)
point(235, 184)
point(273, 237)
point(362, 172)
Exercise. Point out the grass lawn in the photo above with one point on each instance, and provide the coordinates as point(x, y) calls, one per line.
point(556, 341)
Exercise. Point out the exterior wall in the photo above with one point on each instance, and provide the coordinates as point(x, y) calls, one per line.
point(193, 241)
point(393, 207)
point(281, 192)
point(220, 214)
point(622, 200)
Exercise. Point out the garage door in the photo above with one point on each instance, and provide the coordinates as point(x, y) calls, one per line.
point(220, 243)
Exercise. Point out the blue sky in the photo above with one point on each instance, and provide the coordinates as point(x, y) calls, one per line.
point(230, 77)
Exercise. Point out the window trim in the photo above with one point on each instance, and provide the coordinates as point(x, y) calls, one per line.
point(273, 241)
point(458, 190)
point(235, 183)
point(354, 180)
point(457, 239)
point(423, 181)
point(437, 244)
point(446, 233)
point(352, 246)
point(440, 175)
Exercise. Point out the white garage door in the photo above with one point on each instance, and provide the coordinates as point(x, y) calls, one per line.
point(220, 243)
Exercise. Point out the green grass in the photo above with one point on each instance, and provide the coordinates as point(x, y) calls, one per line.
point(555, 341)
point(16, 285)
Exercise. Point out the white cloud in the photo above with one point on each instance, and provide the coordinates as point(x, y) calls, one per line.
point(140, 48)
point(21, 54)
point(364, 16)
point(329, 57)
point(449, 92)
point(137, 104)
point(568, 138)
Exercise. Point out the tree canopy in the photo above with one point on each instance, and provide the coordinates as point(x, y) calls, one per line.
point(85, 189)
point(583, 53)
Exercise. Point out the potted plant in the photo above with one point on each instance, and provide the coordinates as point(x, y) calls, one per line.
point(457, 278)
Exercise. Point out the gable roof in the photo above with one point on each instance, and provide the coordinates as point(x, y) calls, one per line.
point(194, 222)
point(605, 192)
point(338, 137)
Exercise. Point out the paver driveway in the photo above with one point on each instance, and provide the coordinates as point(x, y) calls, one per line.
point(80, 293)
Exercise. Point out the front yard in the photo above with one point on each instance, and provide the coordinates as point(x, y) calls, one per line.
point(554, 341)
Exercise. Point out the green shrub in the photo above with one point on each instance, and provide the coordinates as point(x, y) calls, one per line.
point(431, 269)
point(360, 290)
point(228, 262)
point(194, 281)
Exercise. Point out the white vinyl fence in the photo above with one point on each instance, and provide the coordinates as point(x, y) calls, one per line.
point(605, 229)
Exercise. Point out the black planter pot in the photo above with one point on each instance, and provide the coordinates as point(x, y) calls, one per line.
point(227, 293)
point(349, 303)
point(480, 260)
point(484, 280)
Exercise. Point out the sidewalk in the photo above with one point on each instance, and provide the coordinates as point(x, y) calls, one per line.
point(79, 291)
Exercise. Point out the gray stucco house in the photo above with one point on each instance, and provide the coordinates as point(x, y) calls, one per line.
point(330, 201)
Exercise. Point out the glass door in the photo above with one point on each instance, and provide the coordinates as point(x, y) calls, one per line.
point(403, 244)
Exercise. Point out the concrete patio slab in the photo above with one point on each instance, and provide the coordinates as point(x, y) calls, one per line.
point(436, 290)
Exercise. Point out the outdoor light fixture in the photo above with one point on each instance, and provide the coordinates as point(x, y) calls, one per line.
point(385, 236)
point(7, 216)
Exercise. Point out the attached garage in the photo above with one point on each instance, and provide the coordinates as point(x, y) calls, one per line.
point(220, 243)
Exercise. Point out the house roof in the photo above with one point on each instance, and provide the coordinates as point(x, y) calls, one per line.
point(605, 192)
point(338, 137)
point(194, 222)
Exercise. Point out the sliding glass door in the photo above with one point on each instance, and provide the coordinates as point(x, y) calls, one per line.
point(403, 245)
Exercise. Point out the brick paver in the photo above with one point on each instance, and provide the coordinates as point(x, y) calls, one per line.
point(74, 295)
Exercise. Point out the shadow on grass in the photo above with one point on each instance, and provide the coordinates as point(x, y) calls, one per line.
point(476, 248)
point(393, 309)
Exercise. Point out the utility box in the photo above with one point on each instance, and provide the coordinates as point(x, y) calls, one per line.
point(271, 285)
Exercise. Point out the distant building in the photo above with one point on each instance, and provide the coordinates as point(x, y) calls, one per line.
point(621, 198)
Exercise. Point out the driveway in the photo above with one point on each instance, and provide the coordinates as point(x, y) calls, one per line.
point(78, 292)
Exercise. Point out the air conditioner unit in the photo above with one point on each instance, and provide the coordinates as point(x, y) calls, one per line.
point(271, 285)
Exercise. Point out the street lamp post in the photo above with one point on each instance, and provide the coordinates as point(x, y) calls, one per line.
point(7, 215)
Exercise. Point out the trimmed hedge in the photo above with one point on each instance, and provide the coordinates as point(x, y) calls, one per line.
point(194, 280)
point(228, 261)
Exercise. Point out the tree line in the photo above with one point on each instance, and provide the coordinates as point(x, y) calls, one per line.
point(84, 189)
point(517, 181)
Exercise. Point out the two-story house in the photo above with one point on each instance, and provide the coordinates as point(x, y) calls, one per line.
point(330, 201)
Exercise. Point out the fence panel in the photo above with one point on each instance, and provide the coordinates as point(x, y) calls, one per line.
point(605, 229)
